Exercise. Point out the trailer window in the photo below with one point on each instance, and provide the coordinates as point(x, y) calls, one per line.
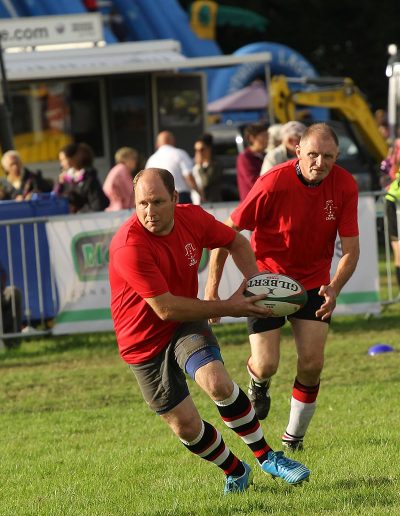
point(180, 108)
point(48, 115)
point(130, 112)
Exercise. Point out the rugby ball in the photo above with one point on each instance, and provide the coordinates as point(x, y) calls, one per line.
point(284, 294)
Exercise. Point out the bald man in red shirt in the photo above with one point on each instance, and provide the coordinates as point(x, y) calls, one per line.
point(162, 330)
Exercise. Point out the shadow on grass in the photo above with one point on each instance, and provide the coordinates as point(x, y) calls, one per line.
point(58, 345)
point(354, 483)
point(350, 324)
point(389, 320)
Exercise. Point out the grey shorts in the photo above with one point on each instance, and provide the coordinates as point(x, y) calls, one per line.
point(314, 302)
point(162, 379)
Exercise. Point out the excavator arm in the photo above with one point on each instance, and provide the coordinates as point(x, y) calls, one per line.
point(339, 94)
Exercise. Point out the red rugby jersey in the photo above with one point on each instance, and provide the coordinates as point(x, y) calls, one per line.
point(143, 265)
point(295, 226)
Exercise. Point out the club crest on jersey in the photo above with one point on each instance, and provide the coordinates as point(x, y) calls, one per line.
point(190, 252)
point(330, 210)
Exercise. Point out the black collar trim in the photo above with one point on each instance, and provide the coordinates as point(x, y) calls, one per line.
point(303, 179)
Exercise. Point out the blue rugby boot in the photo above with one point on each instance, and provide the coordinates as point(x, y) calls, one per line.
point(289, 470)
point(239, 484)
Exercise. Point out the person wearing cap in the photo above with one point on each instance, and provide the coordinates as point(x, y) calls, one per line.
point(290, 134)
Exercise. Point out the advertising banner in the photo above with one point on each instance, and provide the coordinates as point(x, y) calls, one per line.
point(361, 294)
point(79, 255)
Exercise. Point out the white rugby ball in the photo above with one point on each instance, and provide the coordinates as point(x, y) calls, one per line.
point(284, 294)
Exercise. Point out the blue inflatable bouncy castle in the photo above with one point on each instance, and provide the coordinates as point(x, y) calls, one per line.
point(284, 61)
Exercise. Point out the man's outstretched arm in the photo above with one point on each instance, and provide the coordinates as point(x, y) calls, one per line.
point(242, 255)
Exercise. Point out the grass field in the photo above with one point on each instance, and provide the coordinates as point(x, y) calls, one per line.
point(76, 438)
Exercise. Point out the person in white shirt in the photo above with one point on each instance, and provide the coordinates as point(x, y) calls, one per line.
point(178, 162)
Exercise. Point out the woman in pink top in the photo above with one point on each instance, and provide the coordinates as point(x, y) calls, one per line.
point(118, 183)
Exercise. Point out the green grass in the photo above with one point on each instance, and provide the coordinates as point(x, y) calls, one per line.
point(76, 438)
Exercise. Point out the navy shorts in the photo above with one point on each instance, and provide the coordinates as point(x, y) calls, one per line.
point(162, 379)
point(314, 302)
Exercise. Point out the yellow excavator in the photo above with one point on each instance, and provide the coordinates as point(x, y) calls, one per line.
point(290, 98)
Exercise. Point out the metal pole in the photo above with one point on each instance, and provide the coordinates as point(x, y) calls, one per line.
point(392, 73)
point(392, 107)
point(6, 132)
point(271, 114)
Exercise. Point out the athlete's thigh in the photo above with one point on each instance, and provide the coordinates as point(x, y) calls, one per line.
point(310, 338)
point(265, 346)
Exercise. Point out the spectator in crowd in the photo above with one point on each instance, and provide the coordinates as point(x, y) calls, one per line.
point(290, 134)
point(118, 185)
point(79, 175)
point(22, 181)
point(390, 166)
point(7, 191)
point(178, 162)
point(390, 180)
point(248, 163)
point(392, 199)
point(382, 123)
point(76, 202)
point(11, 307)
point(207, 171)
point(274, 136)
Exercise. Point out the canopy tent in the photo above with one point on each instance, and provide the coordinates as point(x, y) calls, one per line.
point(252, 97)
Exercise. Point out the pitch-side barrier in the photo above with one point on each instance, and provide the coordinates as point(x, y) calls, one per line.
point(25, 259)
point(58, 264)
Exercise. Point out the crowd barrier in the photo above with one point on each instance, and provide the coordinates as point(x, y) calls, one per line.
point(24, 256)
point(43, 277)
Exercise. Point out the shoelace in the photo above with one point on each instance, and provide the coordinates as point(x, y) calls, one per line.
point(231, 482)
point(280, 460)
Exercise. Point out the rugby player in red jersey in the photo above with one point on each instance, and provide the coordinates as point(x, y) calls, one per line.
point(162, 329)
point(295, 213)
